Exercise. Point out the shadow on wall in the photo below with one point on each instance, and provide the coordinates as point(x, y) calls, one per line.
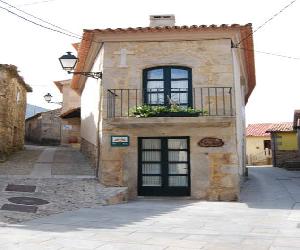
point(88, 133)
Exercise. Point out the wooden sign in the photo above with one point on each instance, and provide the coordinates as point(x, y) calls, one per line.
point(119, 140)
point(211, 142)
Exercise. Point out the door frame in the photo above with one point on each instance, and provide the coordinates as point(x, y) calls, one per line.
point(163, 191)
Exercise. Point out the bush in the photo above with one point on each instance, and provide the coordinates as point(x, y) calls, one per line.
point(145, 111)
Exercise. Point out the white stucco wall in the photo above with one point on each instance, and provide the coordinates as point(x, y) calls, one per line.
point(90, 98)
point(239, 90)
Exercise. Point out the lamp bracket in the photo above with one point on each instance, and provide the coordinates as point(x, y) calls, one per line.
point(95, 75)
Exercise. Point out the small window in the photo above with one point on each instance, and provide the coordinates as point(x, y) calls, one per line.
point(168, 85)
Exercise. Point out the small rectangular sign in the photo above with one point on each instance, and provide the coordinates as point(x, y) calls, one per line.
point(119, 140)
point(67, 127)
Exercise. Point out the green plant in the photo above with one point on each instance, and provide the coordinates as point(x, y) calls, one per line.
point(145, 111)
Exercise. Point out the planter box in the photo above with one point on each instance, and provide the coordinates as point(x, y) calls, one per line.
point(177, 114)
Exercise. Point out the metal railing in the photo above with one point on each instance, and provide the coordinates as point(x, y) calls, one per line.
point(213, 101)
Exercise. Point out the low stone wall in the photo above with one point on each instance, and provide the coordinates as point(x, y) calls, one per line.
point(90, 151)
point(281, 156)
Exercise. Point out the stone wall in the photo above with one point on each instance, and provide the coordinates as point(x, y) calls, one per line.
point(70, 132)
point(33, 129)
point(90, 151)
point(282, 156)
point(13, 91)
point(44, 128)
point(214, 171)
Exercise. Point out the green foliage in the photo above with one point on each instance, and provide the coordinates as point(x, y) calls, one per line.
point(145, 111)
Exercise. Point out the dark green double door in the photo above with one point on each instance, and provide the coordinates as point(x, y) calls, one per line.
point(164, 166)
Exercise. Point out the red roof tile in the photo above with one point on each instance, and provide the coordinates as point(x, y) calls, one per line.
point(167, 28)
point(281, 127)
point(258, 129)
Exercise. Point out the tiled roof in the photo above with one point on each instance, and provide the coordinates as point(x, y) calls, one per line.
point(281, 127)
point(258, 129)
point(170, 28)
point(76, 46)
point(75, 112)
point(244, 30)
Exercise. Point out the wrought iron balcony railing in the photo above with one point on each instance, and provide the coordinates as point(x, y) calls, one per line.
point(212, 101)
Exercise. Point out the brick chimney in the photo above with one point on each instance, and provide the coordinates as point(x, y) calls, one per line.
point(162, 20)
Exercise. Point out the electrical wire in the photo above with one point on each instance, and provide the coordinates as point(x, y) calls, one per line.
point(40, 19)
point(267, 21)
point(271, 54)
point(33, 3)
point(40, 25)
point(80, 37)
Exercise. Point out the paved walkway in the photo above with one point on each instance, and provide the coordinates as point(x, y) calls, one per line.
point(47, 162)
point(268, 217)
point(59, 175)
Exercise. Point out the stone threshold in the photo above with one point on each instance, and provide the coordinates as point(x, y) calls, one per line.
point(201, 121)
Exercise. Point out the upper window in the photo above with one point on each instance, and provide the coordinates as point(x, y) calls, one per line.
point(168, 85)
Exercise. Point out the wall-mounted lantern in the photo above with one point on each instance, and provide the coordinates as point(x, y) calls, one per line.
point(68, 63)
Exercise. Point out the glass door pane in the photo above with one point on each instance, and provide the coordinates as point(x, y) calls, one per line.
point(178, 168)
point(178, 181)
point(151, 163)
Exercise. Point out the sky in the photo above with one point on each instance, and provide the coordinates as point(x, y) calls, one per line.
point(35, 51)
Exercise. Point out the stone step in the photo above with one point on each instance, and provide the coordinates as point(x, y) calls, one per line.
point(115, 195)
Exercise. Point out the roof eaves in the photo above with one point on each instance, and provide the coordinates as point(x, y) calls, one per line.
point(245, 30)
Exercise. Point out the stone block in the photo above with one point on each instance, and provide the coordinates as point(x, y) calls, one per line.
point(111, 173)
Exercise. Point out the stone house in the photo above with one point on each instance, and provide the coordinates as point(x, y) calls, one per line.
point(258, 144)
point(285, 149)
point(44, 128)
point(70, 113)
point(168, 116)
point(13, 91)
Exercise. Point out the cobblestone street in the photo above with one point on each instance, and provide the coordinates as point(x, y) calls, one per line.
point(61, 176)
point(266, 218)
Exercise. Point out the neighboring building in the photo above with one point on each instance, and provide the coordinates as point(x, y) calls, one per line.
point(258, 144)
point(198, 67)
point(285, 149)
point(70, 113)
point(32, 110)
point(13, 92)
point(44, 128)
point(296, 124)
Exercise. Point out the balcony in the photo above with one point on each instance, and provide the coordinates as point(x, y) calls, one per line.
point(210, 101)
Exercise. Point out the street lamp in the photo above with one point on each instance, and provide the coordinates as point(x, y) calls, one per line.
point(68, 63)
point(48, 98)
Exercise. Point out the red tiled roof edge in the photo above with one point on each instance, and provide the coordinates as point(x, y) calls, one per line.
point(83, 50)
point(258, 129)
point(281, 127)
point(170, 28)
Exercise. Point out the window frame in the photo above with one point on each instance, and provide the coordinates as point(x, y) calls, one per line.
point(167, 79)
